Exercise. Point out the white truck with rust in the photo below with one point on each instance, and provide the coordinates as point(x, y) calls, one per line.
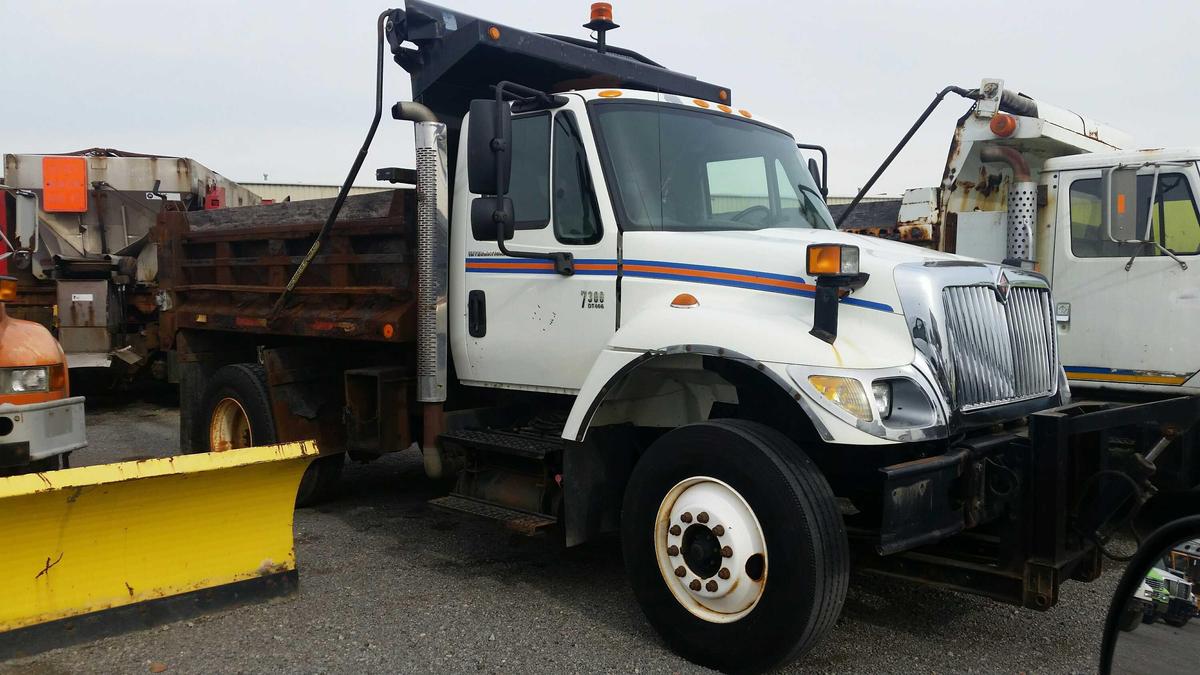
point(581, 334)
point(1114, 229)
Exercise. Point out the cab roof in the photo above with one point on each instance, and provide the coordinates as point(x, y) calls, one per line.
point(452, 58)
point(1097, 160)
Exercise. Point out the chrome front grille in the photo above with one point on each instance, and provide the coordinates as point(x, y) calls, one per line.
point(1001, 351)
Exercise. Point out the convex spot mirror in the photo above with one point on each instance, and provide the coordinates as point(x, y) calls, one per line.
point(1153, 622)
point(1119, 210)
point(489, 156)
point(486, 218)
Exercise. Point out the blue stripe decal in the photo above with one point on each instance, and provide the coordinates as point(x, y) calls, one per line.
point(504, 262)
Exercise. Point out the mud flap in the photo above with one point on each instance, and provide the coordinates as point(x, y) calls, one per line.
point(95, 550)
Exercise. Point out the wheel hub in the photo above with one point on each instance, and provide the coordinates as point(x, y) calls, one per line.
point(229, 427)
point(710, 549)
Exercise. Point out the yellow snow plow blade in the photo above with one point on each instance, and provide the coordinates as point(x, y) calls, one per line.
point(98, 545)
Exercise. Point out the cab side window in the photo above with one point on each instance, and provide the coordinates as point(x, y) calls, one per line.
point(529, 185)
point(576, 216)
point(1173, 222)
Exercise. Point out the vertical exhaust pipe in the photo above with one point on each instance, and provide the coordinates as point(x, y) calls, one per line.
point(433, 230)
point(1022, 204)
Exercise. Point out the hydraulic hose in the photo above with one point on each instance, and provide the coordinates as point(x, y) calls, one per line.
point(350, 178)
point(965, 93)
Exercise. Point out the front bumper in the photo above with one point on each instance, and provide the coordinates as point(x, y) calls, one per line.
point(35, 431)
point(1011, 514)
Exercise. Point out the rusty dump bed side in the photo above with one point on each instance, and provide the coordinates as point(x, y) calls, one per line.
point(225, 268)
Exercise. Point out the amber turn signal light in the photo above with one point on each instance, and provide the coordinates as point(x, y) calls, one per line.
point(685, 301)
point(8, 288)
point(828, 259)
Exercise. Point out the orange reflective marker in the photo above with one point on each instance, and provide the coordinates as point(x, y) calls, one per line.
point(388, 330)
point(494, 33)
point(1121, 203)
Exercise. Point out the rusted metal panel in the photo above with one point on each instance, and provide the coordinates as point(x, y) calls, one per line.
point(225, 269)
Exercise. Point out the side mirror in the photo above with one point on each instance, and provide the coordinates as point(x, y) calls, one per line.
point(1147, 627)
point(489, 157)
point(1119, 211)
point(485, 217)
point(815, 171)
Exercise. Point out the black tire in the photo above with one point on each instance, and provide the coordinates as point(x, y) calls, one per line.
point(246, 383)
point(1148, 617)
point(808, 557)
point(1131, 619)
point(1176, 623)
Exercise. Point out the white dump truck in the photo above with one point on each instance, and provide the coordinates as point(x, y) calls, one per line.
point(615, 302)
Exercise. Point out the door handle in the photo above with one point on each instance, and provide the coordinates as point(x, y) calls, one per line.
point(476, 314)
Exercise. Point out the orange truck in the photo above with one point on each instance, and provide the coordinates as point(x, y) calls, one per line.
point(40, 422)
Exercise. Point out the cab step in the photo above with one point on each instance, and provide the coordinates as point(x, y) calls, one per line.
point(521, 522)
point(531, 446)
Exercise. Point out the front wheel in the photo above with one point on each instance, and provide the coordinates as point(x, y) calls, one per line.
point(734, 545)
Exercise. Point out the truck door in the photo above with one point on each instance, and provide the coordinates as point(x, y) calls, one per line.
point(1132, 327)
point(528, 326)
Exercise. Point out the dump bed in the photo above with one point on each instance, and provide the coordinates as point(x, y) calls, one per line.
point(225, 269)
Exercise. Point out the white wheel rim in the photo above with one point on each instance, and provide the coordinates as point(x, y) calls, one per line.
point(721, 589)
point(229, 428)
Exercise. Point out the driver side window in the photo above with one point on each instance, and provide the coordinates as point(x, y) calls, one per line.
point(1173, 221)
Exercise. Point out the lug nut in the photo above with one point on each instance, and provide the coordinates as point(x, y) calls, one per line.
point(680, 571)
point(726, 552)
point(675, 530)
point(724, 573)
point(695, 585)
point(672, 550)
point(711, 586)
point(703, 517)
point(719, 530)
point(686, 517)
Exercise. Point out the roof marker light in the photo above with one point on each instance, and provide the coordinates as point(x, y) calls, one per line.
point(700, 102)
point(724, 108)
point(494, 33)
point(1003, 125)
point(609, 93)
point(744, 113)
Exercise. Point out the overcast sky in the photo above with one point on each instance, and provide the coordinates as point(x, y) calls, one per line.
point(286, 88)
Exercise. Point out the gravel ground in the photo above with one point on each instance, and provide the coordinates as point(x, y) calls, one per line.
point(387, 584)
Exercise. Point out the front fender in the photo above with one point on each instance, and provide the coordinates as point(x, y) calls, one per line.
point(767, 343)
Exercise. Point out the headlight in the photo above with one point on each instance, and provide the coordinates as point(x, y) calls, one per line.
point(882, 391)
point(846, 392)
point(23, 380)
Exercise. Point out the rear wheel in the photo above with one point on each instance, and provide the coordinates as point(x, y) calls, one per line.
point(236, 413)
point(734, 545)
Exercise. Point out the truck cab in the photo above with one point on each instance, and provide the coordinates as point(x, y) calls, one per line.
point(1027, 182)
point(40, 422)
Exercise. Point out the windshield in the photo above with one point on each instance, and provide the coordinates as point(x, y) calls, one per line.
point(674, 168)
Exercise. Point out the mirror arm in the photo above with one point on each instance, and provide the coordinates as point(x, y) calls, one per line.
point(824, 166)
